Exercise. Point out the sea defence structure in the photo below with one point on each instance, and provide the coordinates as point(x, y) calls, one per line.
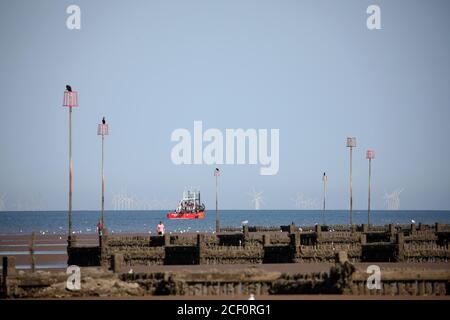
point(259, 245)
point(414, 260)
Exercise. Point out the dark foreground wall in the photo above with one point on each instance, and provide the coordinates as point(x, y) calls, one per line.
point(342, 278)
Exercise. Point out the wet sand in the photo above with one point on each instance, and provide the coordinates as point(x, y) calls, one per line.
point(50, 250)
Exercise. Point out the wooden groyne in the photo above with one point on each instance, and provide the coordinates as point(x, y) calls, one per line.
point(390, 243)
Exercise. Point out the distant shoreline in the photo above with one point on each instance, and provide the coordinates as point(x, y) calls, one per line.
point(246, 210)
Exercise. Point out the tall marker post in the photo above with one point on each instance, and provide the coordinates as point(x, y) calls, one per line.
point(70, 101)
point(351, 143)
point(217, 174)
point(370, 154)
point(324, 179)
point(103, 130)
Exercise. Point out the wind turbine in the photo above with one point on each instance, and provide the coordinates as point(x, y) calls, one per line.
point(256, 198)
point(123, 201)
point(392, 200)
point(114, 202)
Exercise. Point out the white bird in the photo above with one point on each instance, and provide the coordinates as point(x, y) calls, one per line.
point(131, 271)
point(412, 221)
point(252, 297)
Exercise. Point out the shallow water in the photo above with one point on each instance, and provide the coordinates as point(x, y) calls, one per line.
point(84, 222)
point(36, 252)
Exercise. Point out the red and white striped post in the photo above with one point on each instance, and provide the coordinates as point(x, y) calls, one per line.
point(70, 101)
point(370, 154)
point(103, 130)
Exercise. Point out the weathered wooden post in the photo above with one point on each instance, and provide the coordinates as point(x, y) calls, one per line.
point(318, 230)
point(103, 244)
point(392, 231)
point(245, 234)
point(292, 228)
point(200, 248)
point(117, 262)
point(401, 246)
point(294, 246)
point(363, 239)
point(266, 239)
point(32, 256)
point(166, 240)
point(413, 228)
point(391, 228)
point(365, 227)
point(9, 269)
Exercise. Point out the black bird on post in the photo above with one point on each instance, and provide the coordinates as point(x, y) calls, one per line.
point(103, 120)
point(68, 88)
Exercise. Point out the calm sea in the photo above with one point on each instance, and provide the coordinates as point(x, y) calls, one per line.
point(55, 222)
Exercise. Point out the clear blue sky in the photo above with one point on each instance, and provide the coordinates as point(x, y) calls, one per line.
point(310, 68)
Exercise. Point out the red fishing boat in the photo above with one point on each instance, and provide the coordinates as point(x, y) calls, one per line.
point(189, 207)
